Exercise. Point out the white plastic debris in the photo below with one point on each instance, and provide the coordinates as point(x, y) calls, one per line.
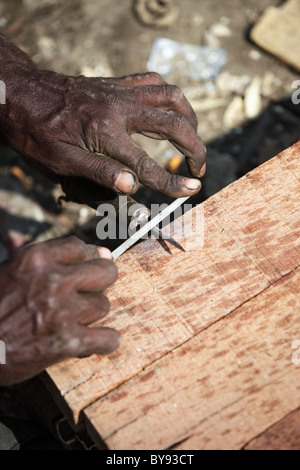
point(228, 83)
point(3, 22)
point(254, 54)
point(253, 100)
point(221, 30)
point(174, 59)
point(234, 114)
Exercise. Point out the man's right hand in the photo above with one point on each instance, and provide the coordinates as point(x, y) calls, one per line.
point(50, 292)
point(82, 126)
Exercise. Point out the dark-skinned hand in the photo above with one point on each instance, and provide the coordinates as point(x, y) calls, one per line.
point(50, 292)
point(61, 123)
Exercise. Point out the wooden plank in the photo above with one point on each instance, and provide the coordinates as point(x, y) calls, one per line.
point(224, 386)
point(162, 301)
point(284, 435)
point(277, 31)
point(233, 427)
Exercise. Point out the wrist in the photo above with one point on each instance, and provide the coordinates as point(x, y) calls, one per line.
point(16, 70)
point(12, 58)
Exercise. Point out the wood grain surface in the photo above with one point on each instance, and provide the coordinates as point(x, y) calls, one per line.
point(284, 435)
point(238, 368)
point(207, 335)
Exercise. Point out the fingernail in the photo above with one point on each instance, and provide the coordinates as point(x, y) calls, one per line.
point(104, 253)
point(125, 182)
point(192, 184)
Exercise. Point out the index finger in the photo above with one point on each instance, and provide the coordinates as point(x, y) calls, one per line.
point(91, 276)
point(71, 250)
point(150, 172)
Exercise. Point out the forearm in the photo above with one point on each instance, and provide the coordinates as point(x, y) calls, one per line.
point(11, 55)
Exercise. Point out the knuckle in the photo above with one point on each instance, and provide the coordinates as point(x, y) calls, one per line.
point(47, 310)
point(150, 173)
point(65, 343)
point(100, 131)
point(73, 240)
point(113, 98)
point(174, 93)
point(101, 172)
point(144, 165)
point(178, 121)
point(54, 281)
point(99, 123)
point(174, 182)
point(37, 256)
point(154, 76)
point(74, 244)
point(91, 252)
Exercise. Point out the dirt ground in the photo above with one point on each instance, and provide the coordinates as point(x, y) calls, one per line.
point(105, 38)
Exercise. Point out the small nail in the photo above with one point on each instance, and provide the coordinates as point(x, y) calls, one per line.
point(125, 182)
point(192, 184)
point(104, 253)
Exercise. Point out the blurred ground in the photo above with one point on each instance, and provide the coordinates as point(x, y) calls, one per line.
point(245, 116)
